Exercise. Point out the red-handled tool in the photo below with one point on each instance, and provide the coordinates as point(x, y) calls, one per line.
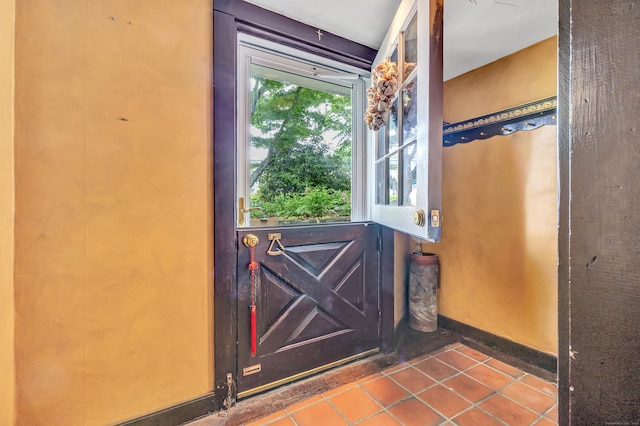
point(251, 241)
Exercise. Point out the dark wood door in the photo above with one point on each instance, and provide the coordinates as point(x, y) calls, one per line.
point(316, 303)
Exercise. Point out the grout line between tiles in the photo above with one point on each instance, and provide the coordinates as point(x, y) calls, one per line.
point(550, 409)
point(441, 382)
point(541, 391)
point(294, 421)
point(409, 390)
point(522, 405)
point(477, 404)
point(336, 410)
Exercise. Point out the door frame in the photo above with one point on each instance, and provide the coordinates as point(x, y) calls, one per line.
point(225, 27)
point(230, 17)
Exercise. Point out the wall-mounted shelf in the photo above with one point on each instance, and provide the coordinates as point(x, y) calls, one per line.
point(529, 116)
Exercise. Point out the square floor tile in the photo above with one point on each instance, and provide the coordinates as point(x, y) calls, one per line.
point(457, 360)
point(302, 404)
point(472, 353)
point(283, 422)
point(420, 358)
point(412, 379)
point(381, 419)
point(529, 397)
point(505, 368)
point(320, 414)
point(469, 388)
point(476, 417)
point(436, 369)
point(553, 414)
point(369, 378)
point(444, 401)
point(385, 391)
point(413, 412)
point(400, 366)
point(269, 419)
point(489, 376)
point(339, 390)
point(545, 422)
point(537, 383)
point(445, 348)
point(354, 404)
point(508, 411)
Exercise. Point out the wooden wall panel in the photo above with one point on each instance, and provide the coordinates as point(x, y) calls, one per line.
point(600, 198)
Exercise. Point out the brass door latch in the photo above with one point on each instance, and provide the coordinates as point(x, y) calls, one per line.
point(419, 218)
point(275, 240)
point(242, 211)
point(435, 218)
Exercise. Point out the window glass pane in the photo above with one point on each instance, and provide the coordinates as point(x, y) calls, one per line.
point(392, 126)
point(411, 46)
point(382, 143)
point(299, 149)
point(393, 180)
point(409, 169)
point(380, 182)
point(394, 55)
point(409, 111)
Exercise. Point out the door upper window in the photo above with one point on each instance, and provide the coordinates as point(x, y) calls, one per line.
point(297, 135)
point(407, 149)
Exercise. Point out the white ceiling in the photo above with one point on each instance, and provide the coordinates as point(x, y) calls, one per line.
point(476, 32)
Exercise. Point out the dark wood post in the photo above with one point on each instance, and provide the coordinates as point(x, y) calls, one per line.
point(599, 234)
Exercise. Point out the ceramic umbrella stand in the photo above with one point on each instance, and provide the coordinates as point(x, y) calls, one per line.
point(423, 292)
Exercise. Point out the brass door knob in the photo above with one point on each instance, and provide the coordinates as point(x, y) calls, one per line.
point(250, 240)
point(419, 218)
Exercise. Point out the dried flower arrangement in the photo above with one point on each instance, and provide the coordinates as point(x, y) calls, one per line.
point(384, 84)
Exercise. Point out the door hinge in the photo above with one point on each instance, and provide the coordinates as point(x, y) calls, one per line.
point(230, 399)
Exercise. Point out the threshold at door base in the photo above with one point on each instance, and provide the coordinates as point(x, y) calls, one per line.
point(304, 374)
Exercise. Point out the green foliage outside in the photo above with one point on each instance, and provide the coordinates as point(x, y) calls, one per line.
point(306, 174)
point(315, 203)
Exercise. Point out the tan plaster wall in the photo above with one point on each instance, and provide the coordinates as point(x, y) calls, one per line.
point(7, 207)
point(113, 206)
point(498, 254)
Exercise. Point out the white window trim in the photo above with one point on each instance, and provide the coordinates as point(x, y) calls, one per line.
point(293, 60)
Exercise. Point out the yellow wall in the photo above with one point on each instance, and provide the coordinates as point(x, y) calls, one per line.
point(7, 367)
point(113, 205)
point(498, 253)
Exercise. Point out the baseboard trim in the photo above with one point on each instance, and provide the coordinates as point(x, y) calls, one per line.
point(508, 347)
point(205, 405)
point(177, 414)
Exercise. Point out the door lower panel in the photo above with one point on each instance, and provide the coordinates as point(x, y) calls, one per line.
point(316, 303)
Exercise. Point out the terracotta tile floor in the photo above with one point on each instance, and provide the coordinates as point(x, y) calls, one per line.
point(455, 385)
